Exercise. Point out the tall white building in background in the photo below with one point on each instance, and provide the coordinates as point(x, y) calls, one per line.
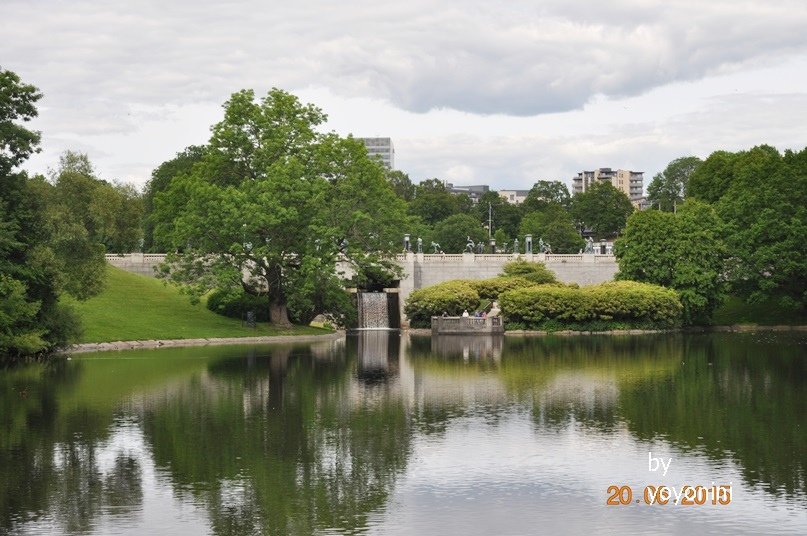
point(382, 148)
point(629, 182)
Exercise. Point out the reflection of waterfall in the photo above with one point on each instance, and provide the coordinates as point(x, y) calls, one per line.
point(377, 355)
point(373, 310)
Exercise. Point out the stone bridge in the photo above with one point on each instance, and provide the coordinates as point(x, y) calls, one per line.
point(423, 269)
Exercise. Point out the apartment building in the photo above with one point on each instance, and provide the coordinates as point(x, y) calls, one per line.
point(629, 182)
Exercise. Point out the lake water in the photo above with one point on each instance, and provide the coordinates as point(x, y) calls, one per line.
point(388, 434)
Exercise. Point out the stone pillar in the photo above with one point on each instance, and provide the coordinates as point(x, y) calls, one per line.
point(528, 244)
point(407, 286)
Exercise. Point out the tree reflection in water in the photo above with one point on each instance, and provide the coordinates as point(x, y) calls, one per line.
point(307, 439)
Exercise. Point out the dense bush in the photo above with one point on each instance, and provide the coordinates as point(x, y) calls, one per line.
point(535, 272)
point(489, 289)
point(451, 297)
point(615, 305)
point(236, 304)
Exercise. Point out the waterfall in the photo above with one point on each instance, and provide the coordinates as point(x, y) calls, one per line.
point(373, 310)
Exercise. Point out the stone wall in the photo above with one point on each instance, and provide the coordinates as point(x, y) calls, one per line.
point(422, 270)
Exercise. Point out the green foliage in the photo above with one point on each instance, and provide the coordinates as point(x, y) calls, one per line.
point(684, 251)
point(666, 190)
point(450, 297)
point(602, 208)
point(712, 178)
point(135, 307)
point(104, 213)
point(535, 272)
point(761, 195)
point(501, 238)
point(773, 311)
point(18, 332)
point(234, 304)
point(43, 251)
point(505, 216)
point(433, 203)
point(455, 296)
point(453, 232)
point(156, 234)
point(622, 304)
point(546, 192)
point(554, 225)
point(274, 199)
point(401, 184)
point(489, 289)
point(765, 209)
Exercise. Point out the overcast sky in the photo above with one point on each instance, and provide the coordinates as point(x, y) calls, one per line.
point(475, 92)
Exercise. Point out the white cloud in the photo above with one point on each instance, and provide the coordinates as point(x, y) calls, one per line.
point(509, 92)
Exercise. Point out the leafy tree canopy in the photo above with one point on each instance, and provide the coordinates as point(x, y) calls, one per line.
point(765, 207)
point(161, 178)
point(434, 203)
point(453, 232)
point(401, 184)
point(276, 200)
point(506, 217)
point(602, 209)
point(667, 188)
point(32, 271)
point(684, 251)
point(544, 192)
point(554, 225)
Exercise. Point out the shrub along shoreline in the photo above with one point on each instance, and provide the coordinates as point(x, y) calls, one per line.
point(532, 299)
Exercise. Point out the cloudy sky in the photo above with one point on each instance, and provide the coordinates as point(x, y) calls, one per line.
point(499, 93)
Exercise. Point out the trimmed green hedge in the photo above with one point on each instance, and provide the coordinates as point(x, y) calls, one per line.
point(615, 305)
point(535, 272)
point(451, 297)
point(489, 289)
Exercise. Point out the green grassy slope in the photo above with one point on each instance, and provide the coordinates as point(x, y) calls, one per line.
point(135, 307)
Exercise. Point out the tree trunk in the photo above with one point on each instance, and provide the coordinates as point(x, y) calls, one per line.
point(278, 313)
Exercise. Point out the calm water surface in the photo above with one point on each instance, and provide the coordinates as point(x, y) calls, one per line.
point(381, 434)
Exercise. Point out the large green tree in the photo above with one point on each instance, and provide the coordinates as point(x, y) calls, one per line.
point(453, 232)
point(765, 207)
point(710, 180)
point(401, 184)
point(554, 225)
point(684, 251)
point(33, 273)
point(602, 209)
point(111, 214)
point(434, 203)
point(666, 190)
point(504, 216)
point(274, 204)
point(544, 192)
point(156, 234)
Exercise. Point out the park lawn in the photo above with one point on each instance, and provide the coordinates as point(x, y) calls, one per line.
point(134, 307)
point(736, 311)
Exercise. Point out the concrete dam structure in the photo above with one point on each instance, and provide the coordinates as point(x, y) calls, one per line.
point(423, 269)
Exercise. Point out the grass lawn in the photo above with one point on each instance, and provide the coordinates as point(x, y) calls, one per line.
point(736, 311)
point(135, 307)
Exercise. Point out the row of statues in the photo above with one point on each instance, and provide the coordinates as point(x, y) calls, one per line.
point(479, 247)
